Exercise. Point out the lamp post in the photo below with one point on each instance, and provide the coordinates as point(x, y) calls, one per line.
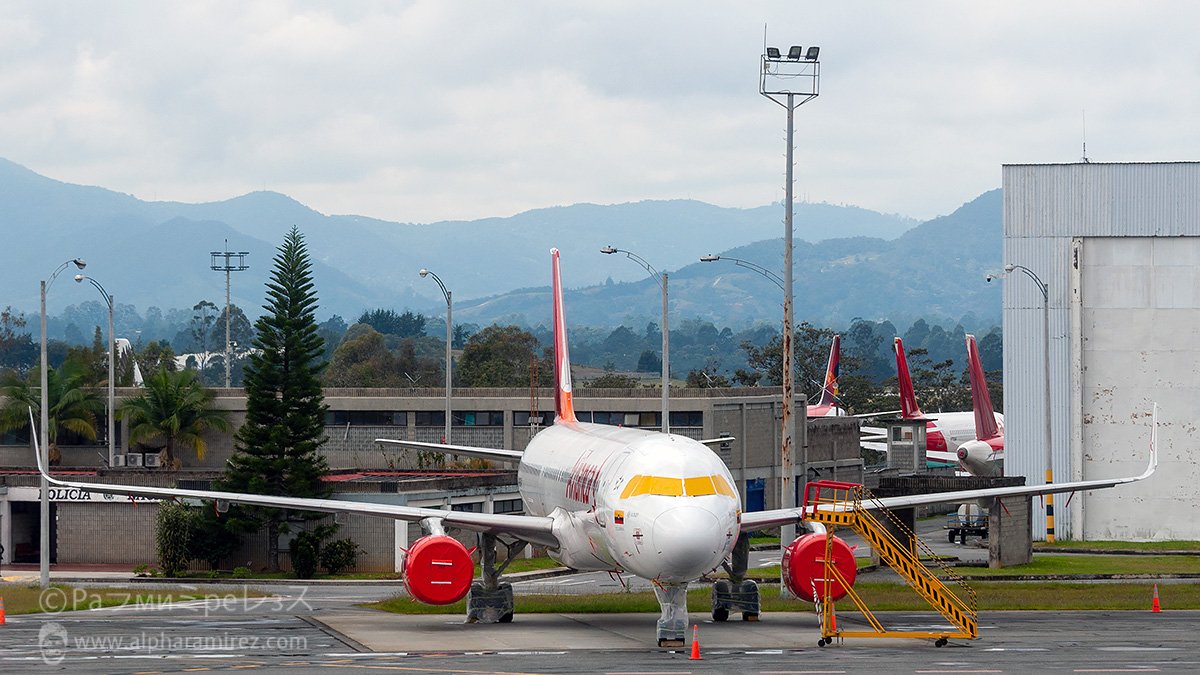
point(773, 277)
point(1044, 289)
point(112, 341)
point(666, 333)
point(790, 81)
point(449, 335)
point(44, 435)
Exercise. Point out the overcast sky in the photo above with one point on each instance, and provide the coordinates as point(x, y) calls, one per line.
point(446, 109)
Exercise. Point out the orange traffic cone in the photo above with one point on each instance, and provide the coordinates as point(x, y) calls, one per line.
point(1, 611)
point(1153, 605)
point(695, 643)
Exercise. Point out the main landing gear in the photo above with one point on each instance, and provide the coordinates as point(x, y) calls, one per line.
point(489, 600)
point(737, 594)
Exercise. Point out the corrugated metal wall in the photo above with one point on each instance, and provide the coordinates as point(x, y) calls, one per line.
point(1045, 207)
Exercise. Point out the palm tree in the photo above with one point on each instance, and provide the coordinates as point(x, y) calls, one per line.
point(71, 405)
point(175, 409)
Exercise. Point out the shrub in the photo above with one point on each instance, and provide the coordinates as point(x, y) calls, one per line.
point(305, 549)
point(339, 555)
point(241, 572)
point(174, 528)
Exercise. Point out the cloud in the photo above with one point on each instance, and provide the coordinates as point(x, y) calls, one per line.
point(431, 110)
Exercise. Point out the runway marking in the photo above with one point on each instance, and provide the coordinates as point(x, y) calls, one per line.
point(799, 672)
point(763, 652)
point(1115, 670)
point(959, 671)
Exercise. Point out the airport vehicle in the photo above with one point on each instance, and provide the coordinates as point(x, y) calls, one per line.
point(661, 506)
point(944, 430)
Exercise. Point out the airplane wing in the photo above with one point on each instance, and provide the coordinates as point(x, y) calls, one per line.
point(534, 529)
point(756, 520)
point(939, 456)
point(493, 454)
point(881, 413)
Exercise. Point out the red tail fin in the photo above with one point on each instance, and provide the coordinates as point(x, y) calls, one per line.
point(830, 391)
point(563, 408)
point(981, 400)
point(908, 397)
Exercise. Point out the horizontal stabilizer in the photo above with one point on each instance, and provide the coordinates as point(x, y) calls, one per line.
point(493, 454)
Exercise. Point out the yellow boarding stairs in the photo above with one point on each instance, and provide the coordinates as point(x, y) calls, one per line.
point(838, 504)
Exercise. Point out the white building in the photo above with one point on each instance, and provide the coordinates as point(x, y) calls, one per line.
point(1118, 247)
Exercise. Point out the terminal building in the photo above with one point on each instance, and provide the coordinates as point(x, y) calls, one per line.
point(1111, 281)
point(83, 525)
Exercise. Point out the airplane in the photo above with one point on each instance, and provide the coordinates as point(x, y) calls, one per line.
point(944, 430)
point(660, 506)
point(984, 454)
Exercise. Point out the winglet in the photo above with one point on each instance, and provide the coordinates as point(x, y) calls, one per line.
point(908, 397)
point(830, 391)
point(563, 407)
point(37, 448)
point(981, 400)
point(1153, 445)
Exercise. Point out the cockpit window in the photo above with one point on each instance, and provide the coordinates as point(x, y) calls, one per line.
point(697, 486)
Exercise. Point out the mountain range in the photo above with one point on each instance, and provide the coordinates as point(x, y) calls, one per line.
point(849, 262)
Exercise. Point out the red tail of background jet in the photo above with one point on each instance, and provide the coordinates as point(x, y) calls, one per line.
point(563, 407)
point(829, 391)
point(908, 397)
point(981, 400)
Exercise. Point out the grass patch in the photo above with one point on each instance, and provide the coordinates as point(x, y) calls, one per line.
point(21, 599)
point(879, 596)
point(1094, 564)
point(526, 565)
point(764, 539)
point(1177, 545)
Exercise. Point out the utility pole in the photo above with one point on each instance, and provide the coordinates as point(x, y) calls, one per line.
point(223, 261)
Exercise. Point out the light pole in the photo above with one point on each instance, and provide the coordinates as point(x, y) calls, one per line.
point(773, 277)
point(791, 81)
point(112, 341)
point(1044, 289)
point(666, 333)
point(44, 435)
point(449, 335)
point(228, 265)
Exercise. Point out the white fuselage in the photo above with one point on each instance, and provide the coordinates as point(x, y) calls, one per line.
point(945, 432)
point(658, 505)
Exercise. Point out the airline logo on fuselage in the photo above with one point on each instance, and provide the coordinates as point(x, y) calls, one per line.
point(581, 484)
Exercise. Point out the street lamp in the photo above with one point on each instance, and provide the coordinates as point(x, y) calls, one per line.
point(1044, 289)
point(44, 435)
point(773, 277)
point(666, 339)
point(449, 334)
point(112, 341)
point(790, 83)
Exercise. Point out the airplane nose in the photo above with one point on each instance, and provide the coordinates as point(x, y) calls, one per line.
point(689, 539)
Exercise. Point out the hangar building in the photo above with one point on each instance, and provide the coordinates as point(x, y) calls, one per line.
point(1117, 247)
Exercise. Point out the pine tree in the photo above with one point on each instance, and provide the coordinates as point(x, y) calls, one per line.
point(276, 451)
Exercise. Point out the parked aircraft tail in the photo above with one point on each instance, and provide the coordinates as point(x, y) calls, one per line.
point(563, 407)
point(829, 391)
point(908, 398)
point(981, 400)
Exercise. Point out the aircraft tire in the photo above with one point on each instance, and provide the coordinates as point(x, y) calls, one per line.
point(720, 614)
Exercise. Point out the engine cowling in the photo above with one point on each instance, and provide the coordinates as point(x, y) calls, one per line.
point(438, 570)
point(804, 567)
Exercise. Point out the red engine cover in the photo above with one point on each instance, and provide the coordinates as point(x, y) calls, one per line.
point(438, 570)
point(804, 567)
